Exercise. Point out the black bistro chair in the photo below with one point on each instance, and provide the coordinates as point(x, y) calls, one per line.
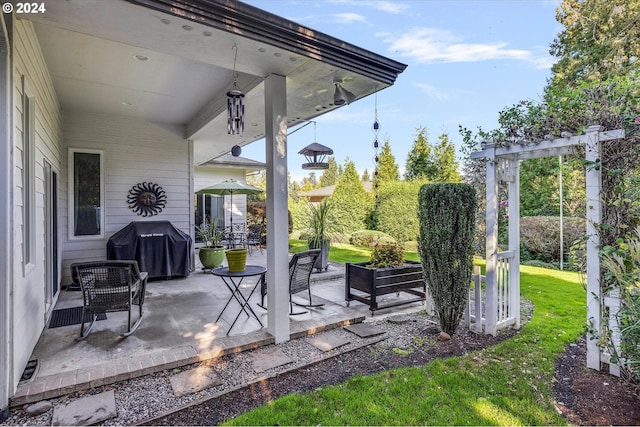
point(254, 237)
point(110, 286)
point(300, 267)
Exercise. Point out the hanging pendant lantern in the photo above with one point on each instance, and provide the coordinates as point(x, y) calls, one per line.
point(235, 104)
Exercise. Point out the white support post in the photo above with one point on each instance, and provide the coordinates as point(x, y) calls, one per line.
point(612, 302)
point(514, 240)
point(275, 97)
point(594, 214)
point(491, 254)
point(8, 380)
point(478, 298)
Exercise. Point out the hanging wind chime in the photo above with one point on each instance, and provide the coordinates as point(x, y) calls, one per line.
point(235, 105)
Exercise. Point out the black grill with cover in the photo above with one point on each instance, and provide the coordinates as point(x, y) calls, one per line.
point(159, 247)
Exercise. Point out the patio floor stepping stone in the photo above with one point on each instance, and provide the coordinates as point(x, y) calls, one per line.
point(400, 319)
point(269, 358)
point(328, 342)
point(364, 330)
point(86, 411)
point(194, 380)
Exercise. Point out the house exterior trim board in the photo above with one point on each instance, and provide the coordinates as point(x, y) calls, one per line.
point(27, 309)
point(6, 213)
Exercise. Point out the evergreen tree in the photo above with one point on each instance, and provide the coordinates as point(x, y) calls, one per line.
point(350, 203)
point(444, 159)
point(420, 163)
point(330, 176)
point(310, 181)
point(387, 167)
point(600, 40)
point(365, 176)
point(257, 180)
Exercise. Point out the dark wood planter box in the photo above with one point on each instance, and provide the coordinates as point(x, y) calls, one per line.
point(373, 282)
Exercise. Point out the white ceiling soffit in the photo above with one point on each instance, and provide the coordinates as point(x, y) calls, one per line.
point(139, 58)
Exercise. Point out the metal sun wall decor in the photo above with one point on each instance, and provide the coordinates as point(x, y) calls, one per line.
point(147, 199)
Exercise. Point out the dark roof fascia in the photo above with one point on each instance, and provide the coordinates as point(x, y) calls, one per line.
point(256, 24)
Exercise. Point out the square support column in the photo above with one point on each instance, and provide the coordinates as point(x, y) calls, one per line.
point(514, 240)
point(491, 254)
point(275, 97)
point(594, 217)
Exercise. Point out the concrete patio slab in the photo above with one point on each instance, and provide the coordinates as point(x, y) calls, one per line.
point(86, 411)
point(178, 329)
point(194, 380)
point(266, 359)
point(400, 319)
point(364, 330)
point(328, 342)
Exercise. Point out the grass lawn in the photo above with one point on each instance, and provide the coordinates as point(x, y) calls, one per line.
point(508, 384)
point(344, 252)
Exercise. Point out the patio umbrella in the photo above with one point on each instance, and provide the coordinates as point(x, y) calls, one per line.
point(230, 187)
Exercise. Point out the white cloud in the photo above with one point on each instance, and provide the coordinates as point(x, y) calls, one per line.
point(385, 6)
point(427, 45)
point(432, 92)
point(346, 115)
point(543, 62)
point(348, 18)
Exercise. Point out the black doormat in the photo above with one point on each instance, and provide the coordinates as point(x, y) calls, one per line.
point(70, 316)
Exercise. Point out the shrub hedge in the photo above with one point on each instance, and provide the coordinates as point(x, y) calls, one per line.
point(369, 238)
point(396, 210)
point(540, 237)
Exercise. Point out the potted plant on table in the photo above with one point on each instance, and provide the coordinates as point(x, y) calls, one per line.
point(212, 253)
point(318, 234)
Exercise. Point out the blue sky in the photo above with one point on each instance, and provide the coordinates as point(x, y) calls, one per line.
point(467, 60)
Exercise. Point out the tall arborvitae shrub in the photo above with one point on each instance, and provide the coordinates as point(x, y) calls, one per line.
point(447, 220)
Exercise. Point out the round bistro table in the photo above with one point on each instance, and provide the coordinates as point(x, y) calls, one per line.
point(233, 280)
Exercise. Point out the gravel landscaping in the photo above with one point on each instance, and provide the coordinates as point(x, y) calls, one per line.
point(406, 340)
point(146, 397)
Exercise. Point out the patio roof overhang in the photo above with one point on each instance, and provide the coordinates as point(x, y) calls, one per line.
point(171, 62)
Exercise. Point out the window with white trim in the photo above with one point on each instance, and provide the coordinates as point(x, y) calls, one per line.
point(86, 194)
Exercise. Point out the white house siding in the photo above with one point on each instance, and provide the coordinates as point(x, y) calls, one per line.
point(29, 304)
point(206, 176)
point(134, 151)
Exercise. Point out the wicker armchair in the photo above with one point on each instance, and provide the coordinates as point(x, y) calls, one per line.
point(110, 286)
point(300, 267)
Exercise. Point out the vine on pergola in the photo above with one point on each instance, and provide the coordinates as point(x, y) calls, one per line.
point(613, 190)
point(613, 104)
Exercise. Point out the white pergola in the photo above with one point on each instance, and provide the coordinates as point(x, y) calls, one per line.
point(502, 304)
